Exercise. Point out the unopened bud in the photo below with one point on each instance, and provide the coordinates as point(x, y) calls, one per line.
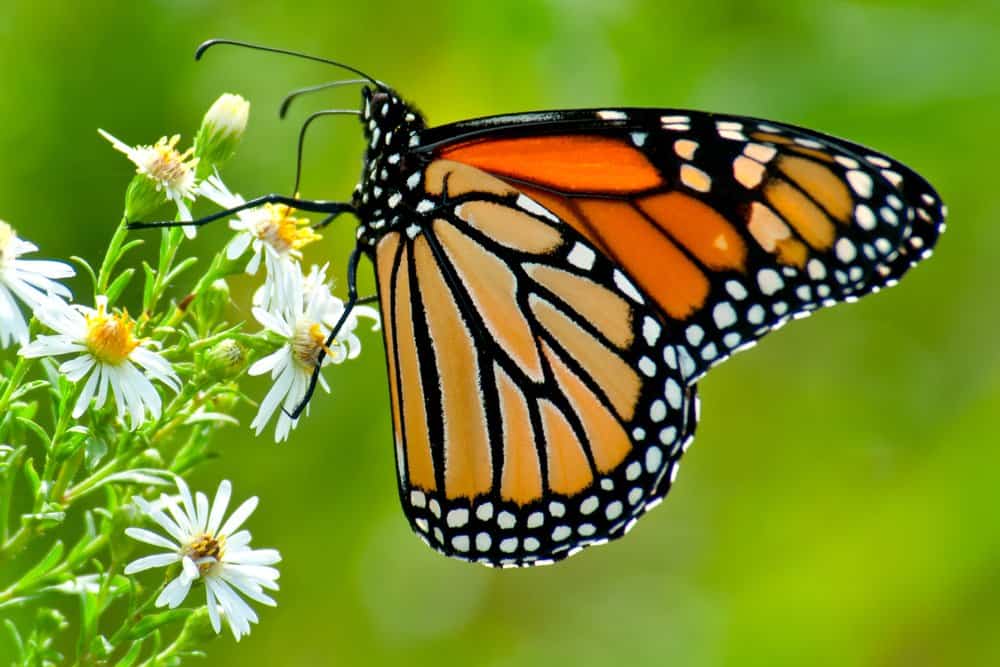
point(50, 621)
point(221, 130)
point(143, 198)
point(226, 359)
point(211, 304)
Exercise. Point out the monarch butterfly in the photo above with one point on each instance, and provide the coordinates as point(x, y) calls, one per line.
point(554, 284)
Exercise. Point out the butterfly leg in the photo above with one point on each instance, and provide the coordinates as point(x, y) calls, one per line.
point(352, 300)
point(334, 208)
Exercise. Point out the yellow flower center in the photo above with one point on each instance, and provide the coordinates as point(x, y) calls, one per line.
point(206, 546)
point(166, 164)
point(309, 339)
point(283, 232)
point(109, 337)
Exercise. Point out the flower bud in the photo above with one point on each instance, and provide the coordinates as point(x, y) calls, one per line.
point(143, 198)
point(50, 621)
point(211, 304)
point(226, 359)
point(149, 458)
point(221, 131)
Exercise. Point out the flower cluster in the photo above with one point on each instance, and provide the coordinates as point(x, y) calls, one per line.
point(137, 399)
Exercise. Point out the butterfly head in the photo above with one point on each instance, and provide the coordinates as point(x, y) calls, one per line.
point(389, 125)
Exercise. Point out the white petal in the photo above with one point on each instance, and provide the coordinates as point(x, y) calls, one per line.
point(87, 393)
point(268, 363)
point(201, 510)
point(165, 522)
point(148, 562)
point(174, 592)
point(188, 503)
point(50, 346)
point(254, 557)
point(75, 369)
point(239, 516)
point(219, 506)
point(213, 610)
point(149, 537)
point(238, 245)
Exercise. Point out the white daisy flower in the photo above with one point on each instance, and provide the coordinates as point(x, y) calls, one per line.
point(109, 354)
point(215, 551)
point(270, 232)
point(32, 281)
point(172, 172)
point(304, 320)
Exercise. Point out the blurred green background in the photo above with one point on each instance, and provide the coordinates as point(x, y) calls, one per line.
point(839, 506)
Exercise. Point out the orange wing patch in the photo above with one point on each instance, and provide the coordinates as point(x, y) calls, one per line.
point(820, 183)
point(569, 470)
point(385, 256)
point(462, 179)
point(809, 220)
point(508, 227)
point(608, 442)
point(774, 236)
point(521, 479)
point(468, 464)
point(617, 379)
point(420, 465)
point(699, 227)
point(492, 286)
point(569, 163)
point(607, 311)
point(660, 267)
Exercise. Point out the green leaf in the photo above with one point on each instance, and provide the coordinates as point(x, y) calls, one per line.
point(120, 283)
point(181, 267)
point(16, 639)
point(32, 426)
point(132, 655)
point(101, 647)
point(154, 622)
point(148, 286)
point(43, 566)
point(82, 263)
point(34, 481)
point(27, 388)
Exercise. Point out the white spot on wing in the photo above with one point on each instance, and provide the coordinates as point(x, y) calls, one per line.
point(531, 206)
point(581, 257)
point(650, 330)
point(860, 182)
point(612, 115)
point(626, 286)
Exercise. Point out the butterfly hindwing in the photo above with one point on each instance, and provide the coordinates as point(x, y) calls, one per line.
point(536, 405)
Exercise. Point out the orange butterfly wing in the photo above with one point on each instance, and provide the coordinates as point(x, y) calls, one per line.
point(533, 409)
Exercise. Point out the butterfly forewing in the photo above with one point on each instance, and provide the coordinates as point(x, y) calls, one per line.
point(730, 226)
point(537, 407)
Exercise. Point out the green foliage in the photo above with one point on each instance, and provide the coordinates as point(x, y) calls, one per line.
point(838, 506)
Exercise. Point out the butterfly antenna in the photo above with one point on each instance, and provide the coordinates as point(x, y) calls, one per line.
point(205, 46)
point(302, 136)
point(285, 103)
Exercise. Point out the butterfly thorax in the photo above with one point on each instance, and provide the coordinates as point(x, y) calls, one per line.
point(388, 188)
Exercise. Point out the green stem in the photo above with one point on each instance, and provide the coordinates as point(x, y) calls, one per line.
point(56, 574)
point(13, 546)
point(20, 370)
point(67, 471)
point(111, 257)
